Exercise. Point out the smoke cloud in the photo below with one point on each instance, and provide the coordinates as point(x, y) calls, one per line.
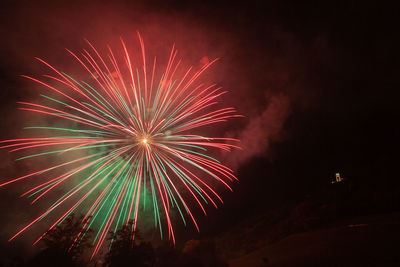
point(260, 130)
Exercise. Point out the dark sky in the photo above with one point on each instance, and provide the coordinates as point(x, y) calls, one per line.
point(317, 82)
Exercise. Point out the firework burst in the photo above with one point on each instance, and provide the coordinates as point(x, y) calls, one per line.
point(130, 140)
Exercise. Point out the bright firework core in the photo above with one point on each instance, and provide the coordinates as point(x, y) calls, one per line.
point(140, 139)
point(143, 139)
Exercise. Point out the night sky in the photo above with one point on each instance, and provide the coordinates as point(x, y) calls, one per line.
point(317, 83)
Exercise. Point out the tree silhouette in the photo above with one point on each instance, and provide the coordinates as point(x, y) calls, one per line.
point(64, 244)
point(125, 250)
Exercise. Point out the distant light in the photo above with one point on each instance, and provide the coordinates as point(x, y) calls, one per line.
point(144, 141)
point(338, 178)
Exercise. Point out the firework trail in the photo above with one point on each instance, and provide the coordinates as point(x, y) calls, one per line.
point(130, 140)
